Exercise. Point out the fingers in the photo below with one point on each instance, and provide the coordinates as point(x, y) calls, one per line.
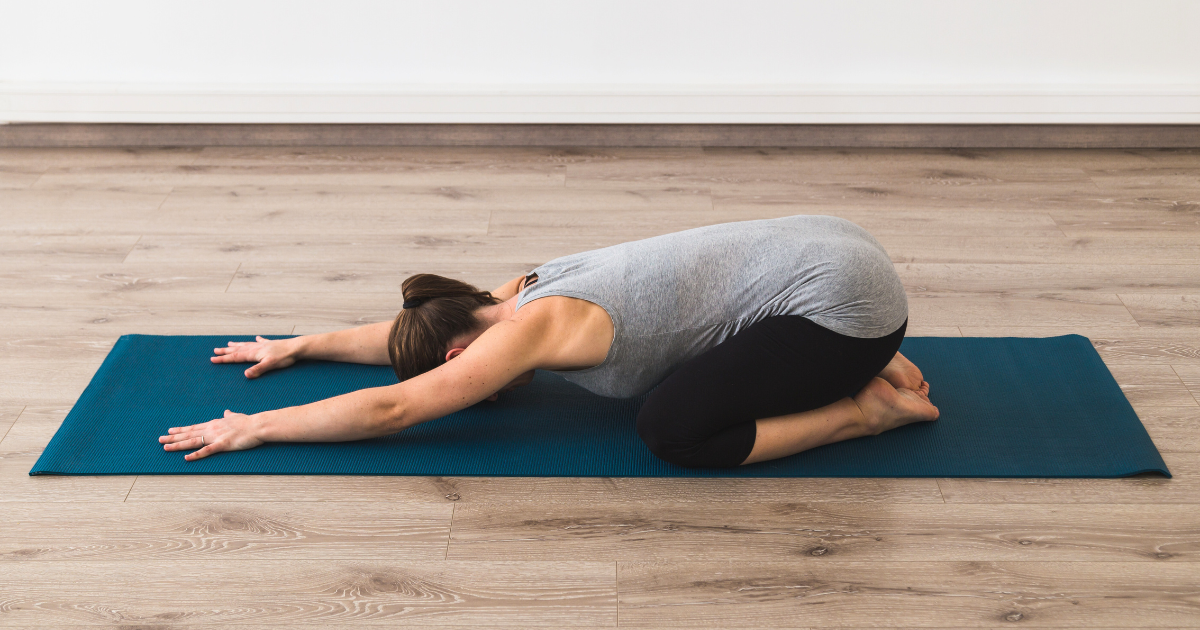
point(232, 354)
point(202, 453)
point(184, 443)
point(258, 368)
point(233, 349)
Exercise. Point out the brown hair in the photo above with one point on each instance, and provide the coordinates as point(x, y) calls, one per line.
point(436, 310)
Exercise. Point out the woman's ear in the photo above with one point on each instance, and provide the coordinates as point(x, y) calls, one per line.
point(454, 352)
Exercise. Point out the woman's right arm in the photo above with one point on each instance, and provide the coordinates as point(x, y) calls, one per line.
point(365, 344)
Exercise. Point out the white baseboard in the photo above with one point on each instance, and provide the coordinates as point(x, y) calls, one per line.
point(215, 103)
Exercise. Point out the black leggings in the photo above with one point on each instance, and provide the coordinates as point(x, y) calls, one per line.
point(703, 414)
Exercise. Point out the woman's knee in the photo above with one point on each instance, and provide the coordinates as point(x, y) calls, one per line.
point(664, 434)
point(672, 438)
point(655, 430)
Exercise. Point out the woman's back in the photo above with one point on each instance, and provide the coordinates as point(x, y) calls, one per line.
point(674, 296)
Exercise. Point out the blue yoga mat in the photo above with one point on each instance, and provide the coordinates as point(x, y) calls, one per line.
point(1010, 407)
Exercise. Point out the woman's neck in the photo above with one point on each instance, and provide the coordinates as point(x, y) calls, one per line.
point(489, 315)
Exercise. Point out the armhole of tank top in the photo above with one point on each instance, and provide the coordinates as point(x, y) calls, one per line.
point(525, 284)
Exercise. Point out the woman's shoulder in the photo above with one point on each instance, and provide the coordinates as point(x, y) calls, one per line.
point(575, 332)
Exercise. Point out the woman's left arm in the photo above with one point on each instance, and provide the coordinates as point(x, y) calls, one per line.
point(498, 356)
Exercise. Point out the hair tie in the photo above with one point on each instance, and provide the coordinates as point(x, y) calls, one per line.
point(413, 303)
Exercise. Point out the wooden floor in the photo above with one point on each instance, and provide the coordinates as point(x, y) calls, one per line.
point(96, 243)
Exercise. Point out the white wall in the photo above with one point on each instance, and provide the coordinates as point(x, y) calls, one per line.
point(600, 61)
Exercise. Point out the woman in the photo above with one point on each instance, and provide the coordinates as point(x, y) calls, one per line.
point(764, 339)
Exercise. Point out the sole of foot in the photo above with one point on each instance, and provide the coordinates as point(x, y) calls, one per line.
point(904, 374)
point(886, 407)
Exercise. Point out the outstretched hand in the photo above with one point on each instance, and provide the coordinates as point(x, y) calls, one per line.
point(234, 432)
point(265, 353)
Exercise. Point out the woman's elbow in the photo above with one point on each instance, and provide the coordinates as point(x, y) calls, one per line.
point(389, 416)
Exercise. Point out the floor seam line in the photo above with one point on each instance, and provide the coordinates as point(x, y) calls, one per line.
point(233, 277)
point(617, 588)
point(449, 534)
point(1126, 307)
point(131, 248)
point(1057, 226)
point(1181, 381)
point(14, 422)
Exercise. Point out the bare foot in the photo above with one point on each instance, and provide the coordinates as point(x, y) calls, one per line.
point(886, 407)
point(902, 373)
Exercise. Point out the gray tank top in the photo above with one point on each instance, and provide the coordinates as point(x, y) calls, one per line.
point(672, 297)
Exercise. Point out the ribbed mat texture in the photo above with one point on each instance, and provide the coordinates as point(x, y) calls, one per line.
point(1011, 407)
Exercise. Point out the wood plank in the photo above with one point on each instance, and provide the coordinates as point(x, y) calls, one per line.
point(978, 157)
point(818, 190)
point(90, 342)
point(1149, 177)
point(325, 210)
point(766, 167)
point(532, 490)
point(1001, 249)
point(1190, 375)
point(44, 158)
point(310, 592)
point(407, 250)
point(26, 249)
point(75, 277)
point(364, 277)
point(199, 309)
point(16, 486)
point(541, 248)
point(75, 211)
point(853, 189)
point(1148, 489)
point(1152, 385)
point(30, 433)
point(37, 381)
point(18, 178)
point(1075, 308)
point(915, 218)
point(1163, 310)
point(1173, 429)
point(1174, 215)
point(960, 594)
point(185, 532)
point(919, 330)
point(411, 199)
point(1033, 278)
point(268, 173)
point(763, 532)
point(418, 157)
point(1118, 346)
